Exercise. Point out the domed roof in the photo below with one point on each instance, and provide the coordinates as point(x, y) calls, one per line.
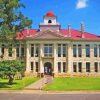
point(50, 14)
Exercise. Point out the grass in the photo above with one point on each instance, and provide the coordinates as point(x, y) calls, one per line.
point(18, 84)
point(73, 84)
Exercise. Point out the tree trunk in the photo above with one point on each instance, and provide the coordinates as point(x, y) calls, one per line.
point(11, 78)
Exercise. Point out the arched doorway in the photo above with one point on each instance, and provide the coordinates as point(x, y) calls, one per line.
point(48, 68)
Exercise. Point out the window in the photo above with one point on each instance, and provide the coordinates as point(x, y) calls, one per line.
point(79, 67)
point(87, 67)
point(10, 50)
point(95, 50)
point(32, 64)
point(2, 49)
point(74, 51)
point(48, 50)
point(87, 50)
point(96, 67)
point(49, 21)
point(64, 50)
point(79, 51)
point(37, 67)
point(59, 67)
point(74, 67)
point(17, 50)
point(34, 50)
point(64, 66)
point(22, 50)
point(59, 50)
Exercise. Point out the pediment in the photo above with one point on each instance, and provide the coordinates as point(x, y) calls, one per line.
point(48, 34)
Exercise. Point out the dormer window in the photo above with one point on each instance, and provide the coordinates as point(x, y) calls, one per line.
point(49, 21)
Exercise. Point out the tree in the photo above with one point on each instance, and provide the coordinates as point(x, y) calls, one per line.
point(11, 19)
point(10, 68)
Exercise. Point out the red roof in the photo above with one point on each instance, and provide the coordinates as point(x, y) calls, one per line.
point(50, 14)
point(75, 34)
point(26, 33)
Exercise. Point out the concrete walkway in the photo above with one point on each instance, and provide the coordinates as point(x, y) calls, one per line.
point(38, 85)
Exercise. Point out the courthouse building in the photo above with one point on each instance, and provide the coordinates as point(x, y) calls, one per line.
point(54, 51)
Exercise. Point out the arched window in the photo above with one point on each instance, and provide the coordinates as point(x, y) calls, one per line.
point(49, 21)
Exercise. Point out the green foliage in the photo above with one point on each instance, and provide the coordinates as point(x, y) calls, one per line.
point(10, 68)
point(11, 19)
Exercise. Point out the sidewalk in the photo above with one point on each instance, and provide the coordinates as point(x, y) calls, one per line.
point(47, 92)
point(38, 85)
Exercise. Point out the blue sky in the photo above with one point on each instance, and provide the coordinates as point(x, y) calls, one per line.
point(71, 12)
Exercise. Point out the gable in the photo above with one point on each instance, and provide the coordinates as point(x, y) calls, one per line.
point(48, 34)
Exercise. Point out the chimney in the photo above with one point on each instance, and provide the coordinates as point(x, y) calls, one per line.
point(28, 33)
point(82, 30)
point(69, 30)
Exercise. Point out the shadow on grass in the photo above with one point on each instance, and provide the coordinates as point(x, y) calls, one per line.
point(5, 85)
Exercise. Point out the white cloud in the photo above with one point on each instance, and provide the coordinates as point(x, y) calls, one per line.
point(81, 4)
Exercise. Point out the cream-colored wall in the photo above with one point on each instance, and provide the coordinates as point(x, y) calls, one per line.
point(54, 60)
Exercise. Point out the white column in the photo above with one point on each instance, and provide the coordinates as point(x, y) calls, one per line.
point(55, 59)
point(70, 57)
point(84, 57)
point(41, 55)
point(28, 69)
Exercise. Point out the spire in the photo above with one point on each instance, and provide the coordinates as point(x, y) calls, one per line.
point(69, 30)
point(82, 30)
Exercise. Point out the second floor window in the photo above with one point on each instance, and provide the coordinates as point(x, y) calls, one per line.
point(48, 50)
point(22, 50)
point(95, 50)
point(79, 51)
point(34, 50)
point(61, 50)
point(17, 50)
point(87, 50)
point(74, 51)
point(64, 50)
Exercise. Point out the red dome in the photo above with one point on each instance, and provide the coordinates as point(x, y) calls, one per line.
point(50, 14)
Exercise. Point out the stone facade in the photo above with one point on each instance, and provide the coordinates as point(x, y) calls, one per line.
point(51, 51)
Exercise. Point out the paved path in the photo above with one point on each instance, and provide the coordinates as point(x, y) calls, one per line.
point(38, 85)
point(21, 96)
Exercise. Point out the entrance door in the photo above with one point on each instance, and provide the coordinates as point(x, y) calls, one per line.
point(48, 68)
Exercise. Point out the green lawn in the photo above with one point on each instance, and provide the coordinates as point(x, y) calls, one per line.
point(73, 84)
point(18, 84)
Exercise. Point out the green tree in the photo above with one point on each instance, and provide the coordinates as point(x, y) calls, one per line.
point(10, 68)
point(11, 19)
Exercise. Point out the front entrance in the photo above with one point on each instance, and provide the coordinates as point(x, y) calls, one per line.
point(48, 68)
